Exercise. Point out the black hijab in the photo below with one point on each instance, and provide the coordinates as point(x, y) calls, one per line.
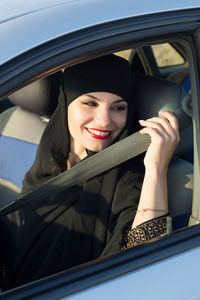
point(110, 73)
point(86, 221)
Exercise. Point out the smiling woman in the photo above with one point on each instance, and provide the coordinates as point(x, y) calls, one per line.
point(107, 79)
point(90, 220)
point(95, 121)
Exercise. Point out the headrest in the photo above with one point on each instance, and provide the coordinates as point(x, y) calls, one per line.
point(154, 94)
point(39, 97)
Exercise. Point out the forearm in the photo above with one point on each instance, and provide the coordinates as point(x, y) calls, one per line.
point(151, 216)
point(153, 199)
point(151, 219)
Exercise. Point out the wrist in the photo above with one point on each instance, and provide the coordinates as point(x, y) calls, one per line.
point(156, 172)
point(146, 214)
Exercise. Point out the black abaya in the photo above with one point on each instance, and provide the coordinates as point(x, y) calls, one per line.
point(75, 226)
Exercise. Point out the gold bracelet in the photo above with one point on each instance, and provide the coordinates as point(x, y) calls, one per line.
point(151, 209)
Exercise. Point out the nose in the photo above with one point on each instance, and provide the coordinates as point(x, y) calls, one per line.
point(102, 117)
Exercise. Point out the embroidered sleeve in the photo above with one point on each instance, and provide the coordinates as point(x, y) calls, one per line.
point(147, 231)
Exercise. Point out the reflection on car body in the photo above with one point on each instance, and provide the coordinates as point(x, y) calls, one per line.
point(30, 71)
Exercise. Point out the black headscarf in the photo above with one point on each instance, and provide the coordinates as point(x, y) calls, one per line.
point(84, 222)
point(110, 73)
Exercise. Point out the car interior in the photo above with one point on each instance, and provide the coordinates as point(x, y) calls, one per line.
point(25, 113)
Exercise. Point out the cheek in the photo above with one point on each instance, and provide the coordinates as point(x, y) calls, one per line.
point(121, 121)
point(72, 122)
point(76, 121)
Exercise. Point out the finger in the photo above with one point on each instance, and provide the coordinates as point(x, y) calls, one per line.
point(171, 118)
point(158, 124)
point(160, 139)
point(154, 133)
point(168, 121)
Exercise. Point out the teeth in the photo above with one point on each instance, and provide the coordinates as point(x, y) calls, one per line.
point(101, 133)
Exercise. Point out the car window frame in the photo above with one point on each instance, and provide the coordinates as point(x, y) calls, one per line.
point(109, 37)
point(195, 90)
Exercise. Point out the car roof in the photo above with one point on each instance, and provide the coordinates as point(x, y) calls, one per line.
point(25, 25)
point(11, 9)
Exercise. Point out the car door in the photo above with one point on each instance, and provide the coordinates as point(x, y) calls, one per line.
point(132, 269)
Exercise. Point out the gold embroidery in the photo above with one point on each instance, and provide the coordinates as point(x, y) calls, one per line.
point(145, 232)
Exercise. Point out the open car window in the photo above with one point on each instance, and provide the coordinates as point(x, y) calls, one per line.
point(36, 117)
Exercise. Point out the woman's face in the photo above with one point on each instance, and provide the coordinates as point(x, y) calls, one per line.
point(96, 119)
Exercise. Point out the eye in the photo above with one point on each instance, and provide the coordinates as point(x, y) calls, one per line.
point(90, 103)
point(119, 108)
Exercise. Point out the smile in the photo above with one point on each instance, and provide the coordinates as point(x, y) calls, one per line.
point(99, 134)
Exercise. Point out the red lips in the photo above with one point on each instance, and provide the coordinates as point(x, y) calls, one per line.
point(98, 133)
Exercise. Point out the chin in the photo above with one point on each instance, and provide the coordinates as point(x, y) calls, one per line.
point(97, 148)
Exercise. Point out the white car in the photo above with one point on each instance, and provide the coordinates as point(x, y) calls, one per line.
point(161, 41)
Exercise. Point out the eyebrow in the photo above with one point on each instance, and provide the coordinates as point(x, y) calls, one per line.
point(94, 97)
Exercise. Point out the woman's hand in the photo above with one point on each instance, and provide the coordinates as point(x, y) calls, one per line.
point(164, 133)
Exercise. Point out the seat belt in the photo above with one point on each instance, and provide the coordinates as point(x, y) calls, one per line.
point(106, 159)
point(86, 169)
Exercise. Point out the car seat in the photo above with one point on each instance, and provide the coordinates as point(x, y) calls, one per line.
point(21, 128)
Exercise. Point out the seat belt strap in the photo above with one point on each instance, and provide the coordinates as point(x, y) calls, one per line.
point(102, 161)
